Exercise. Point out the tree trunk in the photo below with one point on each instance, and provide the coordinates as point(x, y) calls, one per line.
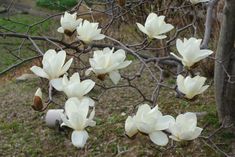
point(225, 66)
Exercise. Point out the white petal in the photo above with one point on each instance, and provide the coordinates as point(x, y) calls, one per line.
point(160, 37)
point(88, 71)
point(124, 64)
point(162, 123)
point(60, 30)
point(71, 105)
point(174, 138)
point(130, 127)
point(38, 93)
point(79, 138)
point(180, 84)
point(176, 56)
point(86, 86)
point(203, 89)
point(66, 67)
point(99, 37)
point(159, 138)
point(115, 76)
point(75, 78)
point(57, 84)
point(142, 28)
point(39, 72)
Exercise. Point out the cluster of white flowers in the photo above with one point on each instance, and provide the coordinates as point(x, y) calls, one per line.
point(77, 106)
point(86, 31)
point(77, 114)
point(152, 122)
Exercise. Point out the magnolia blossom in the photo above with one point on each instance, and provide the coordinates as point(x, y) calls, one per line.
point(76, 117)
point(107, 61)
point(73, 87)
point(69, 23)
point(155, 26)
point(185, 127)
point(198, 1)
point(53, 65)
point(190, 51)
point(151, 122)
point(191, 86)
point(88, 32)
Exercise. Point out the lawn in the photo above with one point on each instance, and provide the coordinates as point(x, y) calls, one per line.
point(14, 50)
point(23, 131)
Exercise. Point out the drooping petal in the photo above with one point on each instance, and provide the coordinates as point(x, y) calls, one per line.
point(88, 71)
point(159, 138)
point(180, 84)
point(142, 28)
point(39, 72)
point(130, 127)
point(115, 76)
point(124, 64)
point(60, 30)
point(79, 138)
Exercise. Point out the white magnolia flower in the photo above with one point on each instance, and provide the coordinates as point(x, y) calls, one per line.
point(76, 117)
point(198, 1)
point(69, 23)
point(151, 122)
point(191, 86)
point(185, 127)
point(88, 32)
point(155, 26)
point(190, 51)
point(53, 65)
point(107, 61)
point(73, 87)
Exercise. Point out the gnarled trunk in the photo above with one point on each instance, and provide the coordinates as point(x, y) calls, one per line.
point(225, 66)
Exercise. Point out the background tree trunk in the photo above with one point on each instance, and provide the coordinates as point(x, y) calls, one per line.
point(225, 66)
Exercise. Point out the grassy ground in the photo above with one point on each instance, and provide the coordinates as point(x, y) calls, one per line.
point(23, 131)
point(11, 48)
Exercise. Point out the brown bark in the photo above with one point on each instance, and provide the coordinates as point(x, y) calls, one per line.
point(225, 62)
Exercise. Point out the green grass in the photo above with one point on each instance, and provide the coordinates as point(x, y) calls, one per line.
point(57, 4)
point(19, 23)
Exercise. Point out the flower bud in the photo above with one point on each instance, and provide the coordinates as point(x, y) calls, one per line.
point(37, 100)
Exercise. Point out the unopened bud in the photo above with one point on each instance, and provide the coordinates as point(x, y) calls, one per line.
point(37, 100)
